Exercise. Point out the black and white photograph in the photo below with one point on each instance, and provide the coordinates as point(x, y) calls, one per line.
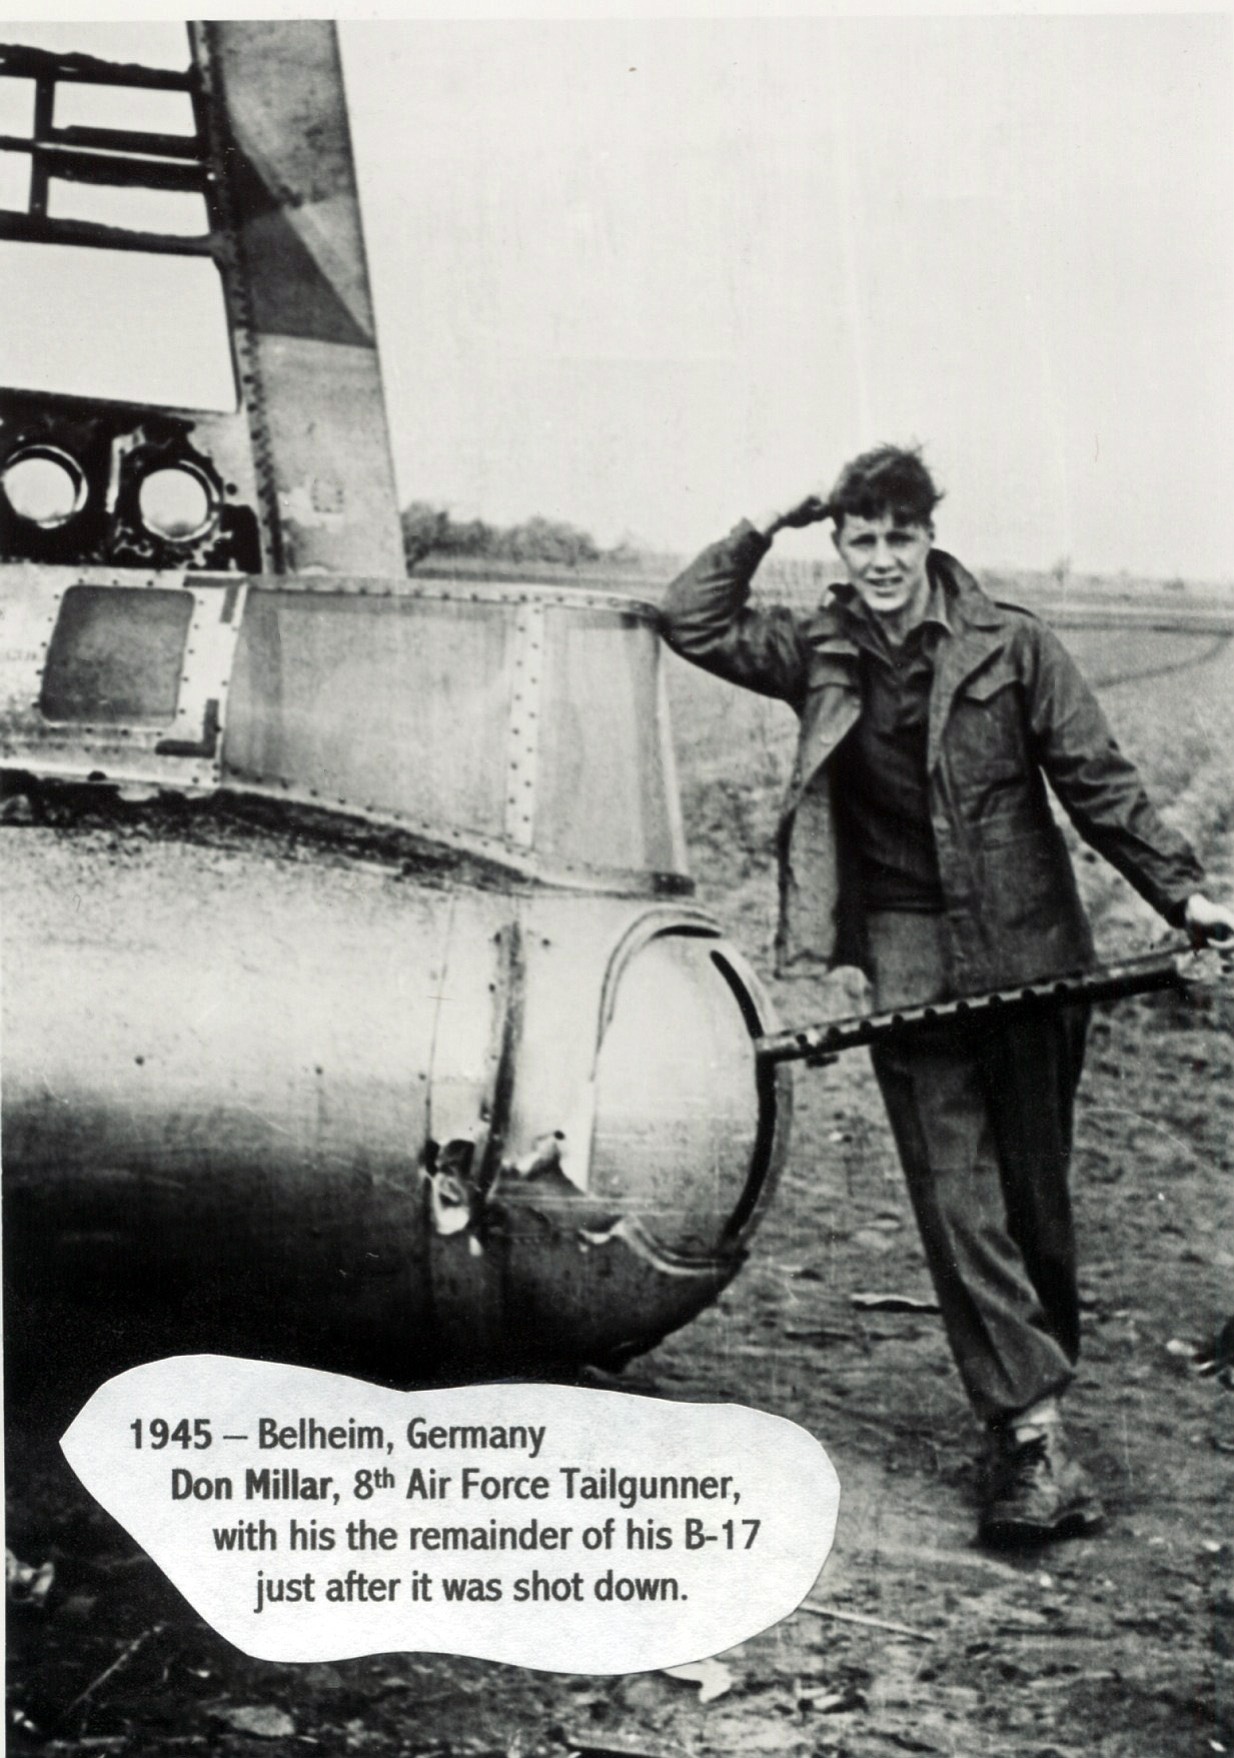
point(617, 885)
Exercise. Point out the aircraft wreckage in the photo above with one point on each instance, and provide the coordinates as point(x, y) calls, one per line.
point(355, 1008)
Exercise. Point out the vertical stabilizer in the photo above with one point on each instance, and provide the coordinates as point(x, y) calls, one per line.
point(303, 322)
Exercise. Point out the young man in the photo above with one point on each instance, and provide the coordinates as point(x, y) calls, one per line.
point(917, 842)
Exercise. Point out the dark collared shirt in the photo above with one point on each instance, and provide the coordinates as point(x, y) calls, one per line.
point(881, 793)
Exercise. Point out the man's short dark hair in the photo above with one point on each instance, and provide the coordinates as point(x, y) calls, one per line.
point(890, 481)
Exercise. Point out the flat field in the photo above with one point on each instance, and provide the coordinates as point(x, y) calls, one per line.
point(1117, 1646)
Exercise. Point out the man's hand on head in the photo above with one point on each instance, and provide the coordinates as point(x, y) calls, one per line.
point(808, 509)
point(1209, 924)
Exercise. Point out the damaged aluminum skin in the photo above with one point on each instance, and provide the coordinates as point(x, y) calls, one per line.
point(276, 1094)
point(356, 1010)
point(324, 1032)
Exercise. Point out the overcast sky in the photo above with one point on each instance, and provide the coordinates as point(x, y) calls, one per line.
point(650, 274)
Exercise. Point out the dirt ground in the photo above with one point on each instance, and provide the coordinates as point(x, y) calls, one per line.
point(1116, 1646)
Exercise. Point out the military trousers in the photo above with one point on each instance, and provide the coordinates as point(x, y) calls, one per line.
point(982, 1118)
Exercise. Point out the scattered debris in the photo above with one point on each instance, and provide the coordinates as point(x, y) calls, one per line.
point(90, 1743)
point(27, 1583)
point(18, 1719)
point(1202, 1360)
point(543, 1156)
point(1223, 1355)
point(450, 1204)
point(712, 1676)
point(585, 1746)
point(1068, 1681)
point(892, 1303)
point(260, 1719)
point(122, 1659)
point(847, 1617)
point(840, 1702)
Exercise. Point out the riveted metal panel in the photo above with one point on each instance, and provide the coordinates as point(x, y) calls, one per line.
point(527, 703)
point(604, 795)
point(465, 714)
point(302, 312)
point(115, 655)
point(389, 707)
point(38, 733)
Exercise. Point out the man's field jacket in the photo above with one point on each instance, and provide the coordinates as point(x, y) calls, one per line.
point(1007, 708)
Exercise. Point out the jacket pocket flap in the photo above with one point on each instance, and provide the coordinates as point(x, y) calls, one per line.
point(992, 678)
point(836, 669)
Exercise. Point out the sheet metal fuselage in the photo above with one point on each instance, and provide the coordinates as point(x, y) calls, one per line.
point(355, 1008)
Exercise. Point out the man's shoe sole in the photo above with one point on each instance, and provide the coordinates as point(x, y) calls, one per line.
point(1008, 1534)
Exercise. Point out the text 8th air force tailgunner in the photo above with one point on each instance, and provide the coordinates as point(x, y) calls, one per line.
point(917, 842)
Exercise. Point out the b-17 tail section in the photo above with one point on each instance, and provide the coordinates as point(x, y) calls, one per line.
point(188, 367)
point(310, 373)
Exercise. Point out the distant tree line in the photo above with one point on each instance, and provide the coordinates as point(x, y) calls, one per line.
point(429, 530)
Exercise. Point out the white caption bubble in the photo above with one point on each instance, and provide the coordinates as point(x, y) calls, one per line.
point(311, 1517)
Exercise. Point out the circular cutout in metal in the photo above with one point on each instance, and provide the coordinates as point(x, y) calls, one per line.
point(176, 503)
point(44, 486)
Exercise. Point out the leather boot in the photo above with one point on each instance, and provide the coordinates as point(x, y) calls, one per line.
point(1036, 1491)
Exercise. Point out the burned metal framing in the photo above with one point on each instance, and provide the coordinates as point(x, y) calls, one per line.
point(270, 157)
point(131, 158)
point(153, 160)
point(239, 304)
